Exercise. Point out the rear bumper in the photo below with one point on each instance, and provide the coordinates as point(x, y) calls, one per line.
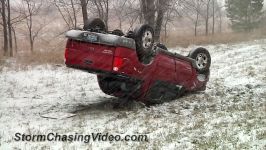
point(105, 73)
point(100, 38)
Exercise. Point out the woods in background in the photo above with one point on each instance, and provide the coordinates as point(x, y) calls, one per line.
point(6, 23)
point(21, 13)
point(244, 15)
point(36, 19)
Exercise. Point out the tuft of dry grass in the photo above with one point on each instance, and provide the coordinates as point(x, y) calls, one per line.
point(41, 57)
point(174, 39)
point(2, 59)
point(45, 52)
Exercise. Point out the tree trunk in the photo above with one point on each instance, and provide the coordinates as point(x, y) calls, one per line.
point(159, 20)
point(153, 14)
point(31, 45)
point(165, 31)
point(9, 29)
point(74, 14)
point(84, 10)
point(196, 24)
point(103, 10)
point(148, 12)
point(197, 18)
point(220, 21)
point(213, 17)
point(4, 28)
point(15, 39)
point(120, 23)
point(207, 18)
point(30, 33)
point(106, 16)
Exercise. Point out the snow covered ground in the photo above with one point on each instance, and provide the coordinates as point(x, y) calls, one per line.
point(230, 114)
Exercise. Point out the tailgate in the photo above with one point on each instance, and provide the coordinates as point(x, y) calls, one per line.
point(84, 55)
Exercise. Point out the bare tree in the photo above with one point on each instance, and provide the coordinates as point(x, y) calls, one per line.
point(153, 13)
point(171, 14)
point(207, 17)
point(31, 9)
point(197, 16)
point(148, 10)
point(130, 13)
point(102, 7)
point(121, 9)
point(84, 4)
point(220, 13)
point(74, 13)
point(9, 24)
point(5, 32)
point(213, 16)
point(68, 11)
point(18, 18)
point(161, 9)
point(9, 29)
point(192, 9)
point(15, 39)
point(201, 11)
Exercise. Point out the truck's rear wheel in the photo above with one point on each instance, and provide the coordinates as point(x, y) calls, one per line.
point(94, 24)
point(118, 32)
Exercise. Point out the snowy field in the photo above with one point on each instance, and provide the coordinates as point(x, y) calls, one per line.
point(230, 114)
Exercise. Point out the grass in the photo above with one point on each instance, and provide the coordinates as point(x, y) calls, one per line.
point(46, 57)
point(44, 53)
point(261, 135)
point(2, 62)
point(174, 39)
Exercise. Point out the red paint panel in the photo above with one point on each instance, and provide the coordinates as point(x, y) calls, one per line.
point(88, 55)
point(183, 71)
point(165, 68)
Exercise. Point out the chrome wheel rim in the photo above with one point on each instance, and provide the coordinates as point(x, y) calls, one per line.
point(147, 39)
point(201, 60)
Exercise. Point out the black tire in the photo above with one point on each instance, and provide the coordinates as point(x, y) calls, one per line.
point(118, 87)
point(202, 58)
point(106, 87)
point(130, 34)
point(162, 46)
point(144, 38)
point(95, 24)
point(118, 32)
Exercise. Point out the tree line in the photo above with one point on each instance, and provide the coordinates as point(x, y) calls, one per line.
point(244, 15)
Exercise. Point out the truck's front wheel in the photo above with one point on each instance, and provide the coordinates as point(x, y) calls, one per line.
point(202, 58)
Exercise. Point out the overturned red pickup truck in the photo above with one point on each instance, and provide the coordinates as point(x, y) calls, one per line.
point(132, 66)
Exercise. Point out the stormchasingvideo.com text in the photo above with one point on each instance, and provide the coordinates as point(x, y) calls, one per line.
point(86, 138)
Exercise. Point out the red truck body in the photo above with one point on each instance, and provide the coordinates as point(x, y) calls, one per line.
point(113, 60)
